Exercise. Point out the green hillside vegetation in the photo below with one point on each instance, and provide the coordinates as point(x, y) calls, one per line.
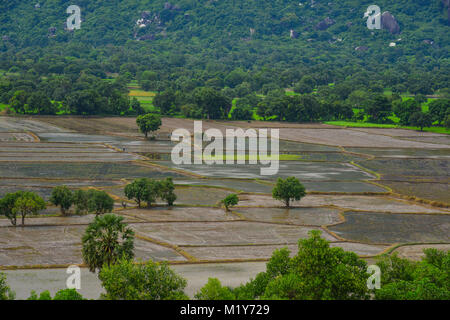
point(224, 59)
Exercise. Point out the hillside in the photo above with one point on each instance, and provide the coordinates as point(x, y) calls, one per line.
point(239, 47)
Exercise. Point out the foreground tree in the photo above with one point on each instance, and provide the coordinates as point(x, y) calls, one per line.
point(150, 281)
point(288, 190)
point(403, 279)
point(62, 197)
point(65, 294)
point(5, 291)
point(316, 272)
point(107, 240)
point(213, 290)
point(148, 123)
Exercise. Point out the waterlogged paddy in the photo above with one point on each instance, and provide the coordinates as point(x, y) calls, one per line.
point(299, 169)
point(86, 154)
point(298, 216)
point(404, 153)
point(95, 171)
point(371, 227)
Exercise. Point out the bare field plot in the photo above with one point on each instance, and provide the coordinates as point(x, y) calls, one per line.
point(60, 245)
point(415, 252)
point(371, 227)
point(92, 171)
point(300, 169)
point(299, 216)
point(404, 153)
point(43, 192)
point(235, 184)
point(433, 191)
point(223, 233)
point(350, 202)
point(158, 214)
point(444, 139)
point(265, 252)
point(68, 157)
point(398, 132)
point(342, 186)
point(21, 124)
point(7, 137)
point(410, 169)
point(19, 183)
point(351, 138)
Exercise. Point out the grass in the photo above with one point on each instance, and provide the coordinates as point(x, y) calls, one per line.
point(378, 125)
point(141, 93)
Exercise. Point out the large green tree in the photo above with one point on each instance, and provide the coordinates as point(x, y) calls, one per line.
point(288, 190)
point(148, 123)
point(150, 281)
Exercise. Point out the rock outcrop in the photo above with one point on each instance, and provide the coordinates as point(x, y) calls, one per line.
point(388, 22)
point(325, 24)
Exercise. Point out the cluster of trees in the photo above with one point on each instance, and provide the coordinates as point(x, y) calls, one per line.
point(21, 204)
point(85, 201)
point(148, 190)
point(62, 94)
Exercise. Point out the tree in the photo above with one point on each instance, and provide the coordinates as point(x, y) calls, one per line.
point(28, 203)
point(150, 281)
point(63, 197)
point(5, 291)
point(166, 191)
point(316, 272)
point(142, 190)
point(99, 202)
point(64, 294)
point(230, 200)
point(107, 240)
point(81, 201)
point(421, 120)
point(378, 109)
point(404, 110)
point(214, 104)
point(165, 101)
point(428, 279)
point(213, 290)
point(7, 205)
point(148, 123)
point(288, 190)
point(439, 109)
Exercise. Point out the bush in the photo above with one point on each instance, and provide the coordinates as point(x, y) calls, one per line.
point(150, 281)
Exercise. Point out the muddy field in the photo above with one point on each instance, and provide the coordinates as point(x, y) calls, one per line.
point(357, 194)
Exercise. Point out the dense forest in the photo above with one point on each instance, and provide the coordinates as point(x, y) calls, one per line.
point(200, 56)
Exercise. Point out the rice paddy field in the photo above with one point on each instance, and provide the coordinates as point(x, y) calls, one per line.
point(372, 191)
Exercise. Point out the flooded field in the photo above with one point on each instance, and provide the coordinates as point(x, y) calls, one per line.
point(357, 196)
